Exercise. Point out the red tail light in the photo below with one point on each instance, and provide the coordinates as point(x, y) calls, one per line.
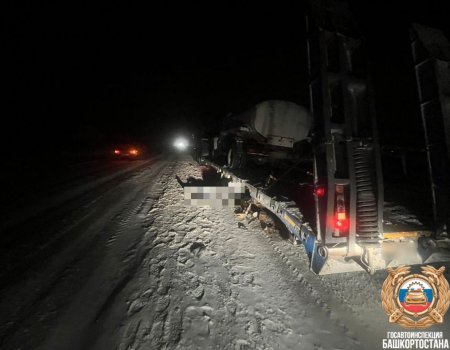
point(134, 152)
point(341, 225)
point(116, 151)
point(341, 221)
point(319, 191)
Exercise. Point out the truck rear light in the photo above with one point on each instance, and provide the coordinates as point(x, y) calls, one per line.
point(342, 226)
point(341, 222)
point(319, 191)
point(341, 216)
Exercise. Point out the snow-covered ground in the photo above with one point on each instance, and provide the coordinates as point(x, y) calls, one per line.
point(51, 190)
point(143, 270)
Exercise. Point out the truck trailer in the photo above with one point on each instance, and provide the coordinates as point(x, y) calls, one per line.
point(330, 154)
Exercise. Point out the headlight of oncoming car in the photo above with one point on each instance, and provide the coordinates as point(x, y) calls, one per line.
point(180, 144)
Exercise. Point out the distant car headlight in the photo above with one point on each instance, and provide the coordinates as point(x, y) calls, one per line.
point(180, 144)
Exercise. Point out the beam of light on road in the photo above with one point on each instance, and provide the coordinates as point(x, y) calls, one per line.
point(181, 144)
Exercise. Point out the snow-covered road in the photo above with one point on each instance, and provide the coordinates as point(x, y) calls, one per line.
point(142, 270)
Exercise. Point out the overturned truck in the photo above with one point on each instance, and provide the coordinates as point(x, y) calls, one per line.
point(269, 132)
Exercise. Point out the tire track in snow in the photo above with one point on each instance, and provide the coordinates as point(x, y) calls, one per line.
point(62, 276)
point(273, 320)
point(172, 267)
point(216, 285)
point(347, 297)
point(339, 313)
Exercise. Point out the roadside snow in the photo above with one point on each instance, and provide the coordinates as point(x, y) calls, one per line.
point(209, 284)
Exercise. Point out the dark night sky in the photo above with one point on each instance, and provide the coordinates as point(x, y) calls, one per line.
point(86, 74)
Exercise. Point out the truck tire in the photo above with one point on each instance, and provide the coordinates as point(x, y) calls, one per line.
point(235, 159)
point(243, 160)
point(215, 154)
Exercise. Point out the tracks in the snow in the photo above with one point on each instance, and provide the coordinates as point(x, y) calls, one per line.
point(30, 244)
point(208, 284)
point(174, 296)
point(146, 271)
point(329, 291)
point(76, 252)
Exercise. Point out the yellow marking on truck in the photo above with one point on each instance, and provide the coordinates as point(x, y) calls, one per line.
point(406, 234)
point(289, 220)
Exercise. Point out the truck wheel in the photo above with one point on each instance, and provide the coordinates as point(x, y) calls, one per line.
point(215, 154)
point(243, 160)
point(233, 157)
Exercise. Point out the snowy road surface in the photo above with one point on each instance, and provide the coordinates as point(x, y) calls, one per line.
point(135, 268)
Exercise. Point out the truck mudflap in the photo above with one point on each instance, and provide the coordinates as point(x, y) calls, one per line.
point(394, 249)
